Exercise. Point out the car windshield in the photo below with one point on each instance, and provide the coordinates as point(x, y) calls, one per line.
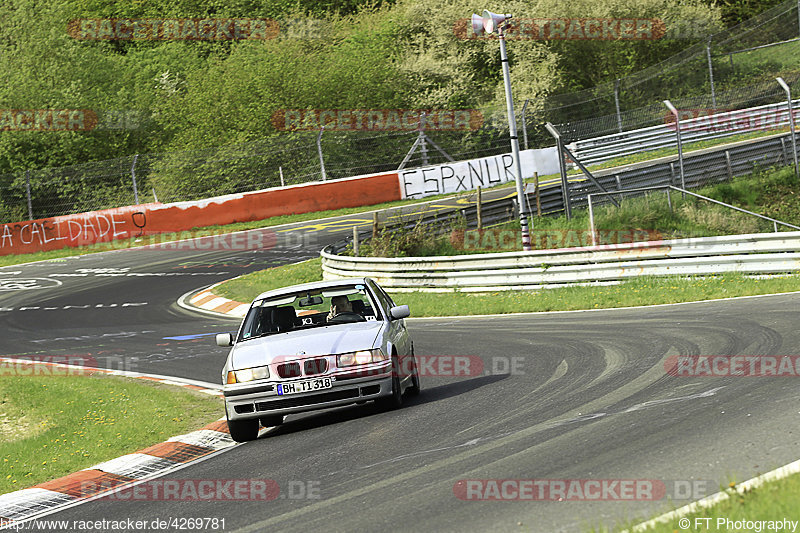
point(309, 309)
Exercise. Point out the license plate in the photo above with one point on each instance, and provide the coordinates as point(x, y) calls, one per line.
point(306, 385)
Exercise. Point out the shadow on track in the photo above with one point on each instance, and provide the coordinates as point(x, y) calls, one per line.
point(352, 412)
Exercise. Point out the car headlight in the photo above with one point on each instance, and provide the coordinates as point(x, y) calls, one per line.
point(247, 374)
point(361, 357)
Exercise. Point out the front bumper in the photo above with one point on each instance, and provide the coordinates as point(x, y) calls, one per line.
point(261, 399)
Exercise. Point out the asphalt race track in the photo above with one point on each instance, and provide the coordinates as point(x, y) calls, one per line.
point(562, 396)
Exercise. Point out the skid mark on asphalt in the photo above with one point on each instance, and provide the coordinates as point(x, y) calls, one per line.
point(541, 427)
point(73, 307)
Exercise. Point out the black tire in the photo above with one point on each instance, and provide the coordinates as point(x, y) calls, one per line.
point(243, 430)
point(415, 387)
point(395, 400)
point(271, 420)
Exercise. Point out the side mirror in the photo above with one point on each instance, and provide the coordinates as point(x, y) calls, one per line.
point(399, 311)
point(224, 339)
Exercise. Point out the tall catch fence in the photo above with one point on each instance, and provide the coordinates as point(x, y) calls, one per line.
point(731, 70)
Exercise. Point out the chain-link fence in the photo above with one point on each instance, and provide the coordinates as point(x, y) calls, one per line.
point(734, 69)
point(190, 175)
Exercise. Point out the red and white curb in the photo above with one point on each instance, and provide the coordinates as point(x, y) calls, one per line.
point(149, 463)
point(206, 299)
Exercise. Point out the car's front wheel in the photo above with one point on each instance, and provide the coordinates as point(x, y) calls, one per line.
point(243, 430)
point(416, 386)
point(394, 400)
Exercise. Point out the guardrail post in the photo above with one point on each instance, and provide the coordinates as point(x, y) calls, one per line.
point(478, 209)
point(680, 145)
point(791, 123)
point(783, 151)
point(562, 166)
point(728, 164)
point(28, 193)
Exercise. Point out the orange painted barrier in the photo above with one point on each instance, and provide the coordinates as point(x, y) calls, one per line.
point(147, 219)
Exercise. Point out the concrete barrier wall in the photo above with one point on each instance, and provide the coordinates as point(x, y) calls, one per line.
point(130, 221)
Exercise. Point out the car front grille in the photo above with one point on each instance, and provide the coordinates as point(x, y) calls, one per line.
point(315, 366)
point(307, 400)
point(289, 370)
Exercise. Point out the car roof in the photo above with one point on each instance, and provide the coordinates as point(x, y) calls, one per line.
point(310, 286)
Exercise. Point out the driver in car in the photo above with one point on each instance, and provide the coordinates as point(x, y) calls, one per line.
point(339, 305)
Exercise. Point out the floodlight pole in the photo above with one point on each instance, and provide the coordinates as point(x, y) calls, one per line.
point(512, 128)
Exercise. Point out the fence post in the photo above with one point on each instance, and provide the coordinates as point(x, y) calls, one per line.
point(591, 220)
point(133, 176)
point(28, 193)
point(616, 103)
point(319, 151)
point(537, 194)
point(375, 225)
point(423, 148)
point(280, 170)
point(355, 241)
point(711, 74)
point(680, 145)
point(563, 169)
point(791, 122)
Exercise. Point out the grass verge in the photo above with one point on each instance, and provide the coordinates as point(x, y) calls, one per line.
point(772, 501)
point(639, 291)
point(55, 425)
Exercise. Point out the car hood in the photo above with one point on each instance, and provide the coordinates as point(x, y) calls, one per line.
point(326, 340)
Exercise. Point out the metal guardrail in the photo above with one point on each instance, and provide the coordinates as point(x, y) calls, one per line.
point(770, 253)
point(669, 189)
point(701, 167)
point(715, 126)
